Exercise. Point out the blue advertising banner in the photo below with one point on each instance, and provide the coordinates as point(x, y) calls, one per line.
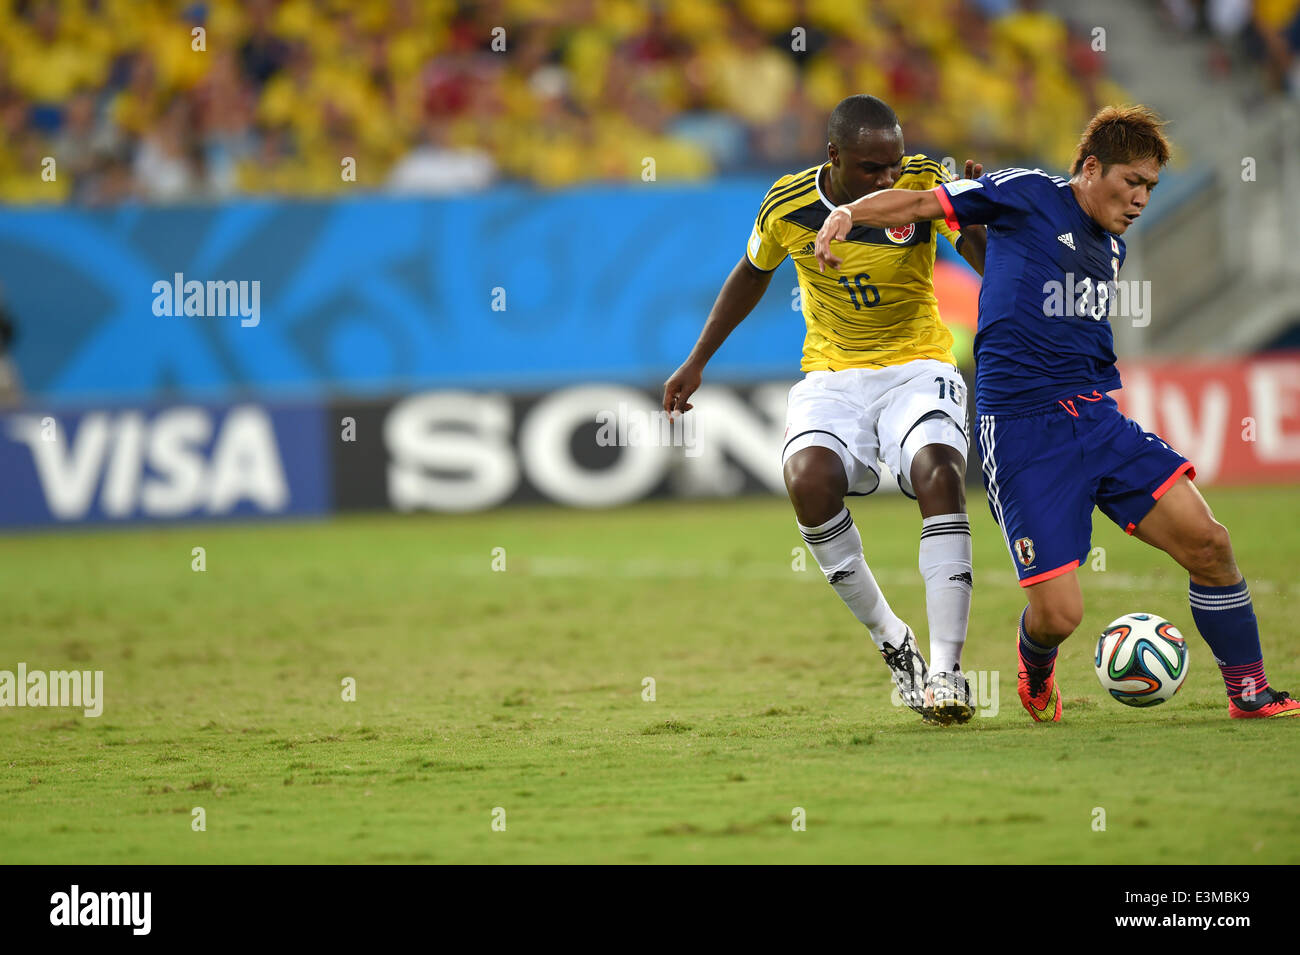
point(512, 289)
point(183, 462)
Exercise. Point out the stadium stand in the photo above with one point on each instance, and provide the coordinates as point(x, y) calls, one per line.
point(421, 95)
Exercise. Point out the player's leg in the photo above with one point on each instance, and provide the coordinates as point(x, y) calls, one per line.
point(921, 424)
point(817, 484)
point(830, 451)
point(1042, 502)
point(938, 478)
point(1152, 497)
point(1181, 524)
point(816, 480)
point(1055, 611)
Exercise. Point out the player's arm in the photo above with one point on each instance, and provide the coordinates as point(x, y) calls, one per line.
point(740, 293)
point(974, 238)
point(974, 242)
point(974, 200)
point(884, 209)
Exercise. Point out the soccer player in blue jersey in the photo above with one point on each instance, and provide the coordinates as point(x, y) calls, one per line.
point(1053, 440)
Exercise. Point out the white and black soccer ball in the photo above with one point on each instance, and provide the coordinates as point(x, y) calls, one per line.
point(1141, 659)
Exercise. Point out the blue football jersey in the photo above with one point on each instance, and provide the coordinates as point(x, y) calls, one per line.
point(1050, 274)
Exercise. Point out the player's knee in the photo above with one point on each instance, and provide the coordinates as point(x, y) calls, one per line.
point(1210, 550)
point(1057, 621)
point(940, 478)
point(1061, 623)
point(815, 490)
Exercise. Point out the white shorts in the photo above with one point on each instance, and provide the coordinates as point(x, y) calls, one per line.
point(873, 416)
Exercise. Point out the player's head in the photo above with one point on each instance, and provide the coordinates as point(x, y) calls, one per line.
point(865, 146)
point(1117, 164)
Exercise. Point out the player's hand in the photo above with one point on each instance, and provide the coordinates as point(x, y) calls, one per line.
point(683, 383)
point(834, 229)
point(973, 169)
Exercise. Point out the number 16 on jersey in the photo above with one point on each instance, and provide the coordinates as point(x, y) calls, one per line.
point(870, 295)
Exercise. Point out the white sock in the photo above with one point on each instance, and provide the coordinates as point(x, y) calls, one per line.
point(837, 547)
point(945, 561)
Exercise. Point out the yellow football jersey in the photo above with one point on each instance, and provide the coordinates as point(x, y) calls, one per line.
point(879, 308)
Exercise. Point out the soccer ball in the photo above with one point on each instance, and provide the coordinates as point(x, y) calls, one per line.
point(1141, 659)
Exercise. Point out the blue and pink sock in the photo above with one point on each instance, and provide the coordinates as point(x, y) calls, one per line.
point(1226, 619)
point(1034, 654)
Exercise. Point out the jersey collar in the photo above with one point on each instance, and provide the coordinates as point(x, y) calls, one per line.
point(821, 195)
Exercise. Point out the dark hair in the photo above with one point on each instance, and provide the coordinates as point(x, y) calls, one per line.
point(854, 115)
point(1122, 134)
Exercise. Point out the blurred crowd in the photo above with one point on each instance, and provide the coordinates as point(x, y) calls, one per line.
point(1262, 31)
point(167, 101)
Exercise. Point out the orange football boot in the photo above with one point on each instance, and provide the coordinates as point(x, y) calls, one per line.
point(1278, 704)
point(1038, 690)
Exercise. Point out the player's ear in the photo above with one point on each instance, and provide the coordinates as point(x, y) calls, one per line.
point(833, 154)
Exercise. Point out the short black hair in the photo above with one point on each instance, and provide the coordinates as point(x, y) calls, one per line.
point(858, 113)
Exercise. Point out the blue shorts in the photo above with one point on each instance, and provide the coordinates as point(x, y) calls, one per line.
point(1046, 470)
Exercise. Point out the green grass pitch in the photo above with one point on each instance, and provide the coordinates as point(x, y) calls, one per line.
point(522, 690)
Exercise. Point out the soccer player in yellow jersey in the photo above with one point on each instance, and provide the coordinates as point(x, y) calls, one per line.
point(880, 385)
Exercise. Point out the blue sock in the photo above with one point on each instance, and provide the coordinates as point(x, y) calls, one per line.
point(1226, 619)
point(1034, 654)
